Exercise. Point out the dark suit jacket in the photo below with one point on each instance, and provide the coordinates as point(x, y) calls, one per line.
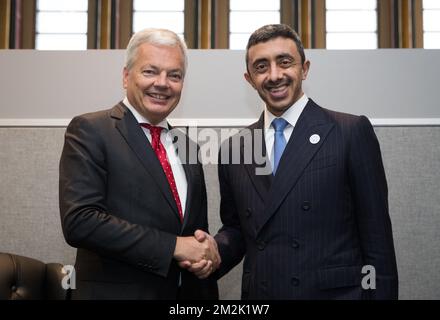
point(307, 232)
point(118, 210)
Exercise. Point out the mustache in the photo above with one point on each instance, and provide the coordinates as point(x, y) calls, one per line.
point(273, 84)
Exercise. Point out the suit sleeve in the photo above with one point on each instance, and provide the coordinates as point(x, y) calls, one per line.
point(229, 238)
point(86, 221)
point(370, 192)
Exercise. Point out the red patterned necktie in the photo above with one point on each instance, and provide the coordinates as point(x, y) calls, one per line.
point(161, 154)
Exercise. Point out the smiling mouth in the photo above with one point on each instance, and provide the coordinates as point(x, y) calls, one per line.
point(278, 92)
point(158, 96)
point(278, 88)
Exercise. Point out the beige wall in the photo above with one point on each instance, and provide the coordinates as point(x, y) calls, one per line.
point(382, 84)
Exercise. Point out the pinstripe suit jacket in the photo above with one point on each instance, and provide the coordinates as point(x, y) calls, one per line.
point(306, 232)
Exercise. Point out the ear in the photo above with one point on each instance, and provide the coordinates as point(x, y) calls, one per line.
point(125, 77)
point(249, 80)
point(305, 69)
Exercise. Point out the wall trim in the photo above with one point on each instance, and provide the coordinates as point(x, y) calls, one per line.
point(398, 122)
point(228, 122)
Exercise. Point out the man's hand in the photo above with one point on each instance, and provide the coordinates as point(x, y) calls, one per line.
point(189, 249)
point(204, 267)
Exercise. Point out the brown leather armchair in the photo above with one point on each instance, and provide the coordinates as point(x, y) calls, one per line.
point(23, 278)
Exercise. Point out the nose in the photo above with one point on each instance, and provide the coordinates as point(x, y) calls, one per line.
point(275, 73)
point(161, 80)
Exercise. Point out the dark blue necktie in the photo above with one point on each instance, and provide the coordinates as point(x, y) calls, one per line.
point(279, 124)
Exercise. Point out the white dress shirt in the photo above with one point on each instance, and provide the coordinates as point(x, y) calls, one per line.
point(173, 159)
point(291, 116)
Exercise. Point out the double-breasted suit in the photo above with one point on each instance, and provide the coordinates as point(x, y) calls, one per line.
point(118, 210)
point(308, 231)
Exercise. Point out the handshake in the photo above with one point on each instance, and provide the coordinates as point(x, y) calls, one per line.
point(198, 254)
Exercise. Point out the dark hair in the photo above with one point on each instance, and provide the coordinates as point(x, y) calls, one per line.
point(272, 31)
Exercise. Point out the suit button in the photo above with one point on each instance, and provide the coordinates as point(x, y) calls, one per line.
point(248, 212)
point(261, 245)
point(295, 244)
point(294, 281)
point(13, 288)
point(306, 206)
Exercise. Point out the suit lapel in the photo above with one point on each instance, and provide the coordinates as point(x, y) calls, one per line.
point(261, 182)
point(297, 155)
point(141, 147)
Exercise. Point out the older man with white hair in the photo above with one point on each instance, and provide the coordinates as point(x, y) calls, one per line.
point(128, 202)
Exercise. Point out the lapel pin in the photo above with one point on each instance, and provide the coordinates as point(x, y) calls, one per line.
point(314, 138)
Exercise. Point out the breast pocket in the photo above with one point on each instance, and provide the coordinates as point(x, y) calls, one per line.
point(321, 163)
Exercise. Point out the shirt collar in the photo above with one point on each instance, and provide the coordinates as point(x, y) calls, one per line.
point(140, 118)
point(291, 115)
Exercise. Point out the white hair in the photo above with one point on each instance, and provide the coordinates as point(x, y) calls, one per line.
point(155, 37)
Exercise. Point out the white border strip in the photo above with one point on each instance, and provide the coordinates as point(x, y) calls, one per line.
point(227, 122)
point(34, 122)
point(396, 122)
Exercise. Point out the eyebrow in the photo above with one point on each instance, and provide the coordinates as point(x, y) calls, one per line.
point(175, 70)
point(149, 66)
point(285, 55)
point(157, 68)
point(278, 57)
